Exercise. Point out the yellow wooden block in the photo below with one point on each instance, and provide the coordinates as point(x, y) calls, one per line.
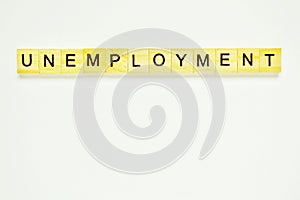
point(71, 61)
point(94, 60)
point(182, 60)
point(27, 61)
point(160, 60)
point(204, 60)
point(270, 60)
point(138, 61)
point(49, 61)
point(248, 60)
point(116, 60)
point(226, 60)
point(153, 60)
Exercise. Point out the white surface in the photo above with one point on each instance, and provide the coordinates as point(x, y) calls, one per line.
point(257, 157)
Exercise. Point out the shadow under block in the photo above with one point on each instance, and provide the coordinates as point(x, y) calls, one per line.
point(28, 61)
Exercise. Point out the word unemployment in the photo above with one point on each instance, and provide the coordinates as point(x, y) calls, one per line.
point(150, 60)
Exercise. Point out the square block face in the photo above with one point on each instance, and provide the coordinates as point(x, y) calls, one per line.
point(116, 60)
point(160, 60)
point(226, 60)
point(248, 60)
point(270, 60)
point(204, 60)
point(182, 60)
point(71, 61)
point(138, 61)
point(94, 60)
point(49, 61)
point(28, 61)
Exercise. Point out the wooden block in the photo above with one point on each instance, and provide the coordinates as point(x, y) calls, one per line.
point(71, 61)
point(27, 61)
point(204, 60)
point(116, 60)
point(248, 60)
point(94, 60)
point(153, 60)
point(226, 60)
point(182, 60)
point(160, 60)
point(50, 61)
point(138, 61)
point(270, 60)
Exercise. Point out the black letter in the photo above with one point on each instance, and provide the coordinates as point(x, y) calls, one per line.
point(206, 59)
point(222, 59)
point(163, 59)
point(67, 60)
point(50, 62)
point(89, 59)
point(249, 61)
point(269, 60)
point(114, 60)
point(30, 60)
point(180, 59)
point(133, 59)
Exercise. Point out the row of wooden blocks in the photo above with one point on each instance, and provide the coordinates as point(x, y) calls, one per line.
point(150, 60)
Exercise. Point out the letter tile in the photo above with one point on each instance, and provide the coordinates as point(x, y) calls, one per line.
point(226, 60)
point(248, 60)
point(28, 61)
point(50, 61)
point(160, 60)
point(205, 60)
point(116, 60)
point(94, 60)
point(182, 60)
point(138, 61)
point(71, 61)
point(270, 60)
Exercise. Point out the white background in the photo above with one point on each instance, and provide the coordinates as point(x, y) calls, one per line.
point(41, 156)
